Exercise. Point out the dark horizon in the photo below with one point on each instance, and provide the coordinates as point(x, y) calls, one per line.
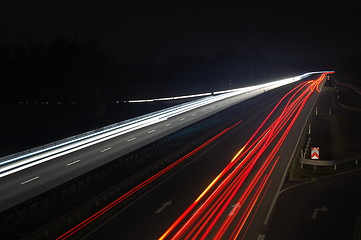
point(98, 54)
point(300, 32)
point(81, 160)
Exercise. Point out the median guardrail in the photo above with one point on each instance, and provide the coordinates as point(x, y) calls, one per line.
point(48, 147)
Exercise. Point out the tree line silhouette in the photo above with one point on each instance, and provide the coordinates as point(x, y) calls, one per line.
point(82, 72)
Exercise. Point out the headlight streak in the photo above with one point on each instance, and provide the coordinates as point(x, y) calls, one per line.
point(242, 164)
point(25, 161)
point(132, 125)
point(209, 219)
point(278, 82)
point(18, 164)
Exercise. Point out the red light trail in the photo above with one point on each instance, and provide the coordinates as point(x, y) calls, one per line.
point(236, 185)
point(244, 181)
point(98, 214)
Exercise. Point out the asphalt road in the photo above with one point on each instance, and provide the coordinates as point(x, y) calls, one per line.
point(335, 199)
point(30, 182)
point(149, 216)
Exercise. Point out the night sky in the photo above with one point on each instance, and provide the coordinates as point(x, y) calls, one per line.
point(299, 31)
point(71, 66)
point(144, 51)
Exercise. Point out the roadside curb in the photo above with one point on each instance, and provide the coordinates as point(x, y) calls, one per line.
point(317, 180)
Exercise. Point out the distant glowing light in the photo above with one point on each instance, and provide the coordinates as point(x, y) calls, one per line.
point(211, 215)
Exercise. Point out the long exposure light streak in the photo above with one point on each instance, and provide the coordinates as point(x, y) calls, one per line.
point(98, 214)
point(12, 164)
point(239, 186)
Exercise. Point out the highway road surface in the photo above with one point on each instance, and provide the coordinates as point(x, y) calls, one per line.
point(227, 190)
point(28, 176)
point(325, 209)
point(32, 181)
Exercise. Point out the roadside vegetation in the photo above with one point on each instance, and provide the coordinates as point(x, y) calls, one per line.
point(336, 134)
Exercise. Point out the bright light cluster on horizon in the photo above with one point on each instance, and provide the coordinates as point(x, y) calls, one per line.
point(18, 163)
point(280, 82)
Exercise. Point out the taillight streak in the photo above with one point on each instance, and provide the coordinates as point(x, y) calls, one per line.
point(216, 199)
point(243, 198)
point(98, 214)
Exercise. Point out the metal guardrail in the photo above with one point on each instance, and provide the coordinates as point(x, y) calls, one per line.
point(357, 89)
point(348, 108)
point(85, 134)
point(329, 162)
point(48, 146)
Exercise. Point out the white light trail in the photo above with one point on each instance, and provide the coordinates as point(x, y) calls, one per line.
point(19, 163)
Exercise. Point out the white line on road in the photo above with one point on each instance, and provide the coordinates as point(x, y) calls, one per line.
point(261, 237)
point(71, 163)
point(106, 149)
point(193, 114)
point(181, 119)
point(288, 165)
point(31, 179)
point(150, 190)
point(168, 124)
point(129, 140)
point(203, 110)
point(316, 210)
point(164, 205)
point(234, 209)
point(151, 131)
